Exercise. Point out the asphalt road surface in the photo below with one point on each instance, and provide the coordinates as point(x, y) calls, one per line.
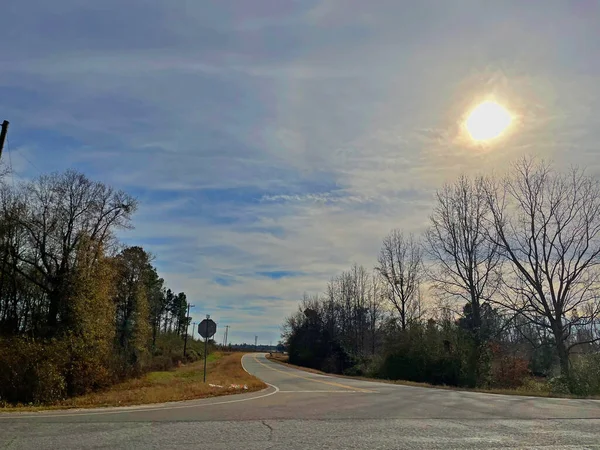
point(301, 410)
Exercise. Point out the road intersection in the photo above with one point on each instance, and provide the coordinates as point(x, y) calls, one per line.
point(304, 410)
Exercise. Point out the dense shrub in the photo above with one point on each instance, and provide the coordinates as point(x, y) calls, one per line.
point(507, 371)
point(161, 363)
point(192, 356)
point(414, 366)
point(584, 376)
point(46, 371)
point(32, 372)
point(559, 385)
point(430, 354)
point(313, 347)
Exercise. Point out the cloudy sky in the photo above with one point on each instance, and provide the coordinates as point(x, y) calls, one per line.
point(272, 143)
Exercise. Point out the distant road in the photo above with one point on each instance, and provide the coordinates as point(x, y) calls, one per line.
point(301, 410)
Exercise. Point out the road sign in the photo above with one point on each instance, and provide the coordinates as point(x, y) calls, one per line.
point(207, 328)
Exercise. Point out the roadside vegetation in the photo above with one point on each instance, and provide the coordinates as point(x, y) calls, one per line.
point(79, 311)
point(225, 376)
point(501, 292)
point(533, 388)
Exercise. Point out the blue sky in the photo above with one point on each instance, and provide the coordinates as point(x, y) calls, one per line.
point(272, 143)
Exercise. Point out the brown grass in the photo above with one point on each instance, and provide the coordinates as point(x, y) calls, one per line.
point(184, 383)
point(283, 359)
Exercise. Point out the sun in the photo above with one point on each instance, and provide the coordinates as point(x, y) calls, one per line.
point(487, 121)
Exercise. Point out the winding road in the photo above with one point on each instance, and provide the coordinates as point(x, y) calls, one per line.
point(302, 410)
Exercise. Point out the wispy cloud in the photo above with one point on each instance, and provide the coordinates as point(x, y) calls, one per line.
point(274, 144)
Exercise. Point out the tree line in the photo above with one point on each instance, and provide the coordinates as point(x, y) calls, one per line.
point(502, 287)
point(78, 309)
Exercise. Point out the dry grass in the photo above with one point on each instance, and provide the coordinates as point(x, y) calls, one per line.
point(184, 383)
point(539, 391)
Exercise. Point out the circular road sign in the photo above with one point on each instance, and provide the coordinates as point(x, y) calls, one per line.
point(207, 328)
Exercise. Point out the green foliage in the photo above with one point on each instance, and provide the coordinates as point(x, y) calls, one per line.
point(428, 354)
point(584, 376)
point(542, 359)
point(74, 319)
point(90, 340)
point(312, 346)
point(32, 372)
point(559, 385)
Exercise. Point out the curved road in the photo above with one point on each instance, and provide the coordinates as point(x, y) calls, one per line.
point(302, 410)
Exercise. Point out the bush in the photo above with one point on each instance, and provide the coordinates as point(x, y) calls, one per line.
point(559, 385)
point(584, 376)
point(531, 384)
point(428, 354)
point(509, 371)
point(89, 365)
point(354, 371)
point(161, 363)
point(434, 369)
point(46, 371)
point(192, 356)
point(583, 379)
point(32, 372)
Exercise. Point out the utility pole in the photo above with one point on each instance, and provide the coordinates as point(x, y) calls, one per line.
point(226, 336)
point(206, 350)
point(187, 325)
point(255, 343)
point(3, 135)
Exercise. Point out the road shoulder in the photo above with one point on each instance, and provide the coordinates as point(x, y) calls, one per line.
point(225, 376)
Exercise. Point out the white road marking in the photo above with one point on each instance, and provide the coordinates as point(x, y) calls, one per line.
point(320, 392)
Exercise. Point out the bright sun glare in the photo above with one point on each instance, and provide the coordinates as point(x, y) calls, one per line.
point(487, 121)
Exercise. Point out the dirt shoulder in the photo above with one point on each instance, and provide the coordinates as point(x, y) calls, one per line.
point(224, 376)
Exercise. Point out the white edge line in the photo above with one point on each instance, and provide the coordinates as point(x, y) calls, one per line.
point(42, 415)
point(242, 361)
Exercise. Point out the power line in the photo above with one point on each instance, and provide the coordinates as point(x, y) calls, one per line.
point(31, 163)
point(10, 165)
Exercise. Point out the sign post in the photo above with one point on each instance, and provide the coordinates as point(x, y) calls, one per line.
point(207, 329)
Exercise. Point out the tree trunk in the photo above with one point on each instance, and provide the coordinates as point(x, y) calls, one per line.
point(561, 348)
point(52, 318)
point(154, 327)
point(563, 355)
point(476, 309)
point(403, 315)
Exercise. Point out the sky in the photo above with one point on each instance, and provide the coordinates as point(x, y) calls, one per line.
point(274, 143)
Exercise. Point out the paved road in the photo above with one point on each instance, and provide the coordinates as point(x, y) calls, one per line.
point(301, 410)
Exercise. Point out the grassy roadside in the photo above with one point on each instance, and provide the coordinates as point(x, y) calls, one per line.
point(183, 383)
point(283, 359)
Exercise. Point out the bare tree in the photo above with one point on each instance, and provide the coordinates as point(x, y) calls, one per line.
point(547, 224)
point(467, 263)
point(400, 265)
point(60, 213)
point(374, 310)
